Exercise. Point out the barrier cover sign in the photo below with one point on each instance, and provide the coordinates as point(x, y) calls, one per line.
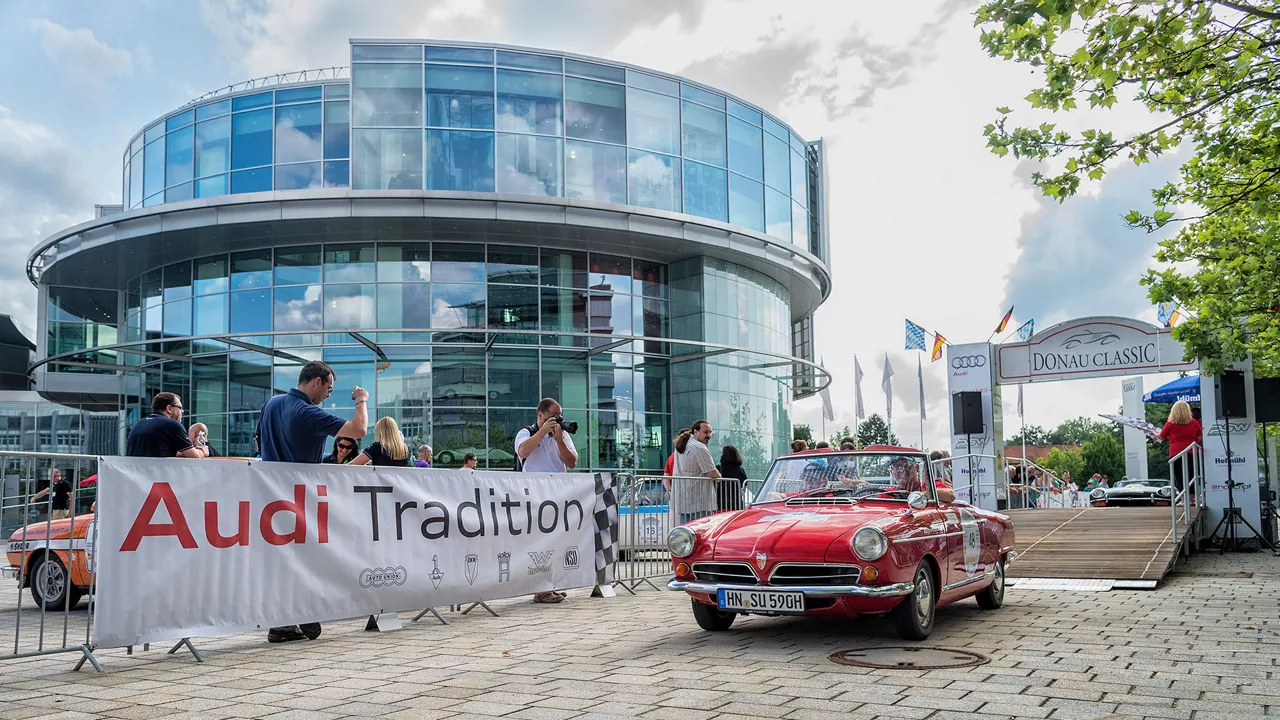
point(188, 547)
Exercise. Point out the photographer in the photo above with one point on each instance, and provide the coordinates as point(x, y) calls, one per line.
point(544, 447)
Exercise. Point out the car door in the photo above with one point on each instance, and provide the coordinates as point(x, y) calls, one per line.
point(964, 559)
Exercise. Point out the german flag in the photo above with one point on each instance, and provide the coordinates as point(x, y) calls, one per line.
point(1005, 320)
point(938, 340)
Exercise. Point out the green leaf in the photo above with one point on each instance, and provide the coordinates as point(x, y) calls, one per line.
point(1162, 217)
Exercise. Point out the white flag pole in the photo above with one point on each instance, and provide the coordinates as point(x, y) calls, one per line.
point(920, 376)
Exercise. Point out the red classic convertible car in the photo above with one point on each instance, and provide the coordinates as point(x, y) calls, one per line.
point(838, 534)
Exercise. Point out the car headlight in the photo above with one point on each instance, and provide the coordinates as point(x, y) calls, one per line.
point(869, 543)
point(1164, 491)
point(680, 541)
point(1098, 494)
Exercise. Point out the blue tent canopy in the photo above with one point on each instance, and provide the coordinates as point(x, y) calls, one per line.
point(1187, 388)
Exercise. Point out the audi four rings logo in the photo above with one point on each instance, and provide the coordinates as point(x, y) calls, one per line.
point(383, 577)
point(969, 361)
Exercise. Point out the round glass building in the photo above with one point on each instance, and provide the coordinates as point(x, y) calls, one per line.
point(462, 229)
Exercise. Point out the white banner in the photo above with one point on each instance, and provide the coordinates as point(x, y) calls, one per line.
point(970, 368)
point(1135, 441)
point(189, 547)
point(1092, 347)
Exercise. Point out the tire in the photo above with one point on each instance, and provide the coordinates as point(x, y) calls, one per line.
point(51, 587)
point(913, 617)
point(992, 597)
point(712, 618)
point(445, 457)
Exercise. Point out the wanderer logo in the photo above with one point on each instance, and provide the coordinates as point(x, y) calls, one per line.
point(969, 361)
point(383, 577)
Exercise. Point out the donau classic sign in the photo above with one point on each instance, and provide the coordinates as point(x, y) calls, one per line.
point(1092, 347)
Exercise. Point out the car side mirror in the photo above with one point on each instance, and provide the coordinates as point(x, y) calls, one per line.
point(917, 501)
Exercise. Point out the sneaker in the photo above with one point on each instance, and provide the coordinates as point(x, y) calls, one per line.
point(551, 597)
point(310, 630)
point(284, 634)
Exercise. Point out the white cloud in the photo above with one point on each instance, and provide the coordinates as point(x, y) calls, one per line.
point(86, 61)
point(42, 190)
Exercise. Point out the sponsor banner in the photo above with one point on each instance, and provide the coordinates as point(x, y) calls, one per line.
point(188, 548)
point(1135, 441)
point(971, 367)
point(1092, 347)
point(1242, 458)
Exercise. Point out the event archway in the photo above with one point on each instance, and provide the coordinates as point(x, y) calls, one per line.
point(1093, 347)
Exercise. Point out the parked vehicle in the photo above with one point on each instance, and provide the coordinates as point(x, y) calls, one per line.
point(1132, 493)
point(839, 534)
point(54, 559)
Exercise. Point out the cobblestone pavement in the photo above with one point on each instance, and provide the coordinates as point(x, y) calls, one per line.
point(1203, 647)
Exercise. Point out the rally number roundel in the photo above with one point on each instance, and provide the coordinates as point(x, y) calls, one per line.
point(972, 541)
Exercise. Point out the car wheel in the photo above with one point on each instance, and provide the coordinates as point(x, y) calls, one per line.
point(712, 618)
point(992, 597)
point(50, 585)
point(913, 617)
point(445, 457)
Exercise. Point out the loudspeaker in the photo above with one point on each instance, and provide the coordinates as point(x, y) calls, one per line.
point(1230, 395)
point(966, 413)
point(1266, 400)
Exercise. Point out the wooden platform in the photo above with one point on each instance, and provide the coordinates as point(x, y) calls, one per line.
point(1097, 543)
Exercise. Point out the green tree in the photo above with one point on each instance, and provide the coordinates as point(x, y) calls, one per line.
point(874, 431)
point(1103, 454)
point(802, 432)
point(1157, 451)
point(1070, 460)
point(1209, 71)
point(839, 435)
point(1077, 431)
point(1034, 434)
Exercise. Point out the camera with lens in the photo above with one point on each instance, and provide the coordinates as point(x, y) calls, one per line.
point(570, 426)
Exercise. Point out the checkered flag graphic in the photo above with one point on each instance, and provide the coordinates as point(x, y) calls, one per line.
point(606, 516)
point(915, 336)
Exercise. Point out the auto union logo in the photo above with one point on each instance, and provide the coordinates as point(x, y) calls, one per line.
point(383, 577)
point(471, 568)
point(761, 559)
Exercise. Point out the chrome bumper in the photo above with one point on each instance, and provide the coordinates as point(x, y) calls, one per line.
point(836, 591)
point(9, 571)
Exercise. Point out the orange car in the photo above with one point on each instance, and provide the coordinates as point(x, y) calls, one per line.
point(57, 569)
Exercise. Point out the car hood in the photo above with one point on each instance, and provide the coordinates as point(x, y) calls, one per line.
point(801, 533)
point(52, 529)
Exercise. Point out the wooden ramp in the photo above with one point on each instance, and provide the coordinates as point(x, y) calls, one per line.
point(1098, 543)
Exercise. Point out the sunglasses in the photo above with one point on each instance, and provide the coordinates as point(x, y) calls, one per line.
point(344, 446)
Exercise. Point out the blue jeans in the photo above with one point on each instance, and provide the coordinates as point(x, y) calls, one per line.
point(686, 518)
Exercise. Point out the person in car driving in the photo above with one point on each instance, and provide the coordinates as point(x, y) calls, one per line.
point(906, 476)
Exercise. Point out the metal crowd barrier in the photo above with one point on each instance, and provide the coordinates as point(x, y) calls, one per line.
point(46, 557)
point(1187, 467)
point(962, 482)
point(650, 506)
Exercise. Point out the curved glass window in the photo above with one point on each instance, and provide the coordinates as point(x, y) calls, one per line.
point(529, 102)
point(595, 172)
point(302, 94)
point(460, 160)
point(211, 186)
point(775, 127)
point(154, 132)
point(697, 94)
point(479, 56)
point(704, 134)
point(405, 305)
point(705, 191)
point(349, 306)
point(337, 130)
point(595, 70)
point(211, 275)
point(514, 307)
point(178, 193)
point(250, 102)
point(180, 120)
point(386, 52)
point(595, 110)
point(746, 203)
point(386, 95)
point(457, 306)
point(459, 96)
point(799, 226)
point(404, 261)
point(135, 181)
point(297, 265)
point(531, 62)
point(213, 147)
point(777, 164)
point(213, 110)
point(458, 263)
point(337, 174)
point(529, 165)
point(251, 269)
point(153, 177)
point(299, 176)
point(777, 214)
point(251, 181)
point(387, 159)
point(653, 181)
point(737, 109)
point(251, 139)
point(298, 133)
point(298, 308)
point(349, 263)
point(210, 314)
point(652, 82)
point(799, 180)
point(512, 264)
point(564, 268)
point(746, 149)
point(653, 121)
point(250, 311)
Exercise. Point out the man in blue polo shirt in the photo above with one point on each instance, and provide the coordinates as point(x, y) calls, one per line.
point(294, 429)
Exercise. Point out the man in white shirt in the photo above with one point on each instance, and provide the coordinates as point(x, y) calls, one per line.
point(546, 449)
point(693, 492)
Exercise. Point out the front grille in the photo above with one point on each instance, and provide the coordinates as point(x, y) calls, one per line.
point(814, 574)
point(736, 573)
point(802, 501)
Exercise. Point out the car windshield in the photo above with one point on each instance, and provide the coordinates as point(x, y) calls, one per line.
point(885, 475)
point(1157, 482)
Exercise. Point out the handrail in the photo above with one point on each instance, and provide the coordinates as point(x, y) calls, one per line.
point(1190, 462)
point(1050, 490)
point(973, 485)
point(337, 72)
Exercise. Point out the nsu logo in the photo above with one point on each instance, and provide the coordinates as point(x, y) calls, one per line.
point(968, 361)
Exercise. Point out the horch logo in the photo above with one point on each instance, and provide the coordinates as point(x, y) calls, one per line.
point(504, 566)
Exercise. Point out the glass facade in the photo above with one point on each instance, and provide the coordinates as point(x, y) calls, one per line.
point(421, 117)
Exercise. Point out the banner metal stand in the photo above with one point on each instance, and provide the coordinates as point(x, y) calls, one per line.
point(480, 603)
point(431, 610)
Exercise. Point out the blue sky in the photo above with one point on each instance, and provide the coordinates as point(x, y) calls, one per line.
point(900, 92)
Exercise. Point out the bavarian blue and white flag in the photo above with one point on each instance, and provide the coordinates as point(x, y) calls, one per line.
point(1027, 330)
point(915, 336)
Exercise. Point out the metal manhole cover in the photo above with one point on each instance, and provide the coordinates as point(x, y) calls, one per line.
point(909, 658)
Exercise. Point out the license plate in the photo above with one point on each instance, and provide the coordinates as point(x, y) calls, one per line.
point(761, 601)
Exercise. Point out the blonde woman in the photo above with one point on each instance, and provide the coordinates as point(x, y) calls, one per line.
point(388, 447)
point(1182, 430)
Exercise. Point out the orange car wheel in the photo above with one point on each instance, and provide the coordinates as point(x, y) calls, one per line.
point(51, 586)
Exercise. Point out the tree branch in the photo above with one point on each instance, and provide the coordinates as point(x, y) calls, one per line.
point(1250, 10)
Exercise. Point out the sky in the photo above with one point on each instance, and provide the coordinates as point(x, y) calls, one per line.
point(925, 222)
